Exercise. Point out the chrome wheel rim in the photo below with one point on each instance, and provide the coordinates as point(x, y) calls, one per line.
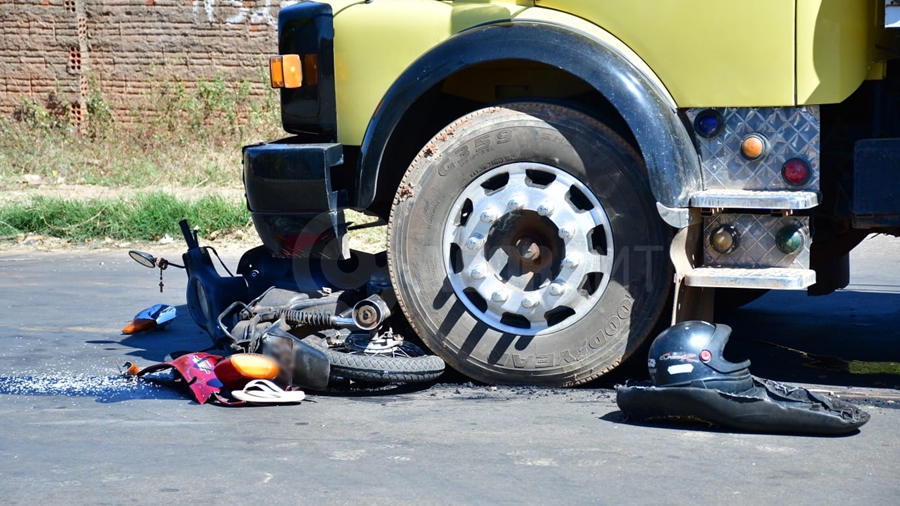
point(528, 248)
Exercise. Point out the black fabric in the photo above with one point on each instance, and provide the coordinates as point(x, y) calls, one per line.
point(768, 406)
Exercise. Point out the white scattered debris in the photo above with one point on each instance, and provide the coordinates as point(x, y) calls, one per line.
point(75, 385)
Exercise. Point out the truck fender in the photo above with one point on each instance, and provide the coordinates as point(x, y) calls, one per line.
point(664, 142)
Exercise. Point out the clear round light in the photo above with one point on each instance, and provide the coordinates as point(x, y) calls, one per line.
point(795, 171)
point(724, 239)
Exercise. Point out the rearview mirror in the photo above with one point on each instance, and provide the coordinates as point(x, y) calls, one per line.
point(145, 259)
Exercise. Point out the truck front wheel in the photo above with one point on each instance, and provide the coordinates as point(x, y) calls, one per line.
point(525, 248)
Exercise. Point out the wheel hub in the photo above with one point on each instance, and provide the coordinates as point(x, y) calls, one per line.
point(528, 247)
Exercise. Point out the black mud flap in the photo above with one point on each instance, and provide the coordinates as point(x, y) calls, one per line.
point(768, 407)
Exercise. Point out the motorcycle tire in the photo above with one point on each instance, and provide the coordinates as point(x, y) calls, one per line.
point(384, 369)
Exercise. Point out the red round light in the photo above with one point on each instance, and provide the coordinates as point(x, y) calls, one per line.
point(795, 171)
point(705, 356)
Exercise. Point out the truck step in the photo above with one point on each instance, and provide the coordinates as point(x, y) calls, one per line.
point(773, 278)
point(750, 199)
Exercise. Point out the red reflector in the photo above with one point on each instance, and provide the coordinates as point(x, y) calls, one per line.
point(795, 171)
point(705, 356)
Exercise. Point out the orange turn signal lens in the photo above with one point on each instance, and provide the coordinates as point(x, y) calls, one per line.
point(293, 71)
point(139, 325)
point(235, 371)
point(276, 72)
point(311, 68)
point(286, 71)
point(753, 147)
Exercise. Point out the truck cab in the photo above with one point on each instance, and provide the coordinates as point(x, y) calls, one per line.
point(563, 178)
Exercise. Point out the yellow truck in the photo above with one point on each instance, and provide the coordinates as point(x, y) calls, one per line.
point(563, 178)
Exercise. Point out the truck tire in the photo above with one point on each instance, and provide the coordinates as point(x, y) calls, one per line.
point(525, 247)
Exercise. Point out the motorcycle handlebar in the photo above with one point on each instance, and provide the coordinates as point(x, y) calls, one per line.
point(189, 236)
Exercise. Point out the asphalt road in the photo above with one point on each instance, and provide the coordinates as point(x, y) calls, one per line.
point(74, 432)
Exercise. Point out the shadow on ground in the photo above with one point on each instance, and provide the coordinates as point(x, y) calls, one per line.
point(843, 339)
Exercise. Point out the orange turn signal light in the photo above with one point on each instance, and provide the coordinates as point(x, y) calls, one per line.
point(285, 71)
point(754, 146)
point(237, 370)
point(311, 68)
point(139, 325)
point(276, 72)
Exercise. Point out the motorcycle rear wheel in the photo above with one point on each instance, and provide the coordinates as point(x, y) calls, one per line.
point(415, 367)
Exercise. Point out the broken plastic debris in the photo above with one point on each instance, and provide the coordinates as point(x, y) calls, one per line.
point(153, 317)
point(194, 369)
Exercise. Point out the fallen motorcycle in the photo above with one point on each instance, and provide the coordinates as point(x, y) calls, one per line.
point(326, 322)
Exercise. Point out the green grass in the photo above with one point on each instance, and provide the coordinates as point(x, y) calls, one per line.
point(146, 217)
point(860, 367)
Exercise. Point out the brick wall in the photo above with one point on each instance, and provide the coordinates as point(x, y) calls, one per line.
point(51, 47)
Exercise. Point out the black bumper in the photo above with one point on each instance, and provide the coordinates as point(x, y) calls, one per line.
point(291, 201)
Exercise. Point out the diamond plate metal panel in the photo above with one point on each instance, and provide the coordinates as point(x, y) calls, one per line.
point(756, 246)
point(792, 132)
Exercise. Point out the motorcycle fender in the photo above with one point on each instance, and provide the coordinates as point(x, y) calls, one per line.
point(311, 366)
point(302, 365)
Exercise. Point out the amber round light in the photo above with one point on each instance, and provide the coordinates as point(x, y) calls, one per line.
point(753, 147)
point(795, 171)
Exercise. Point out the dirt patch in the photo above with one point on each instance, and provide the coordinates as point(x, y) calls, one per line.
point(89, 192)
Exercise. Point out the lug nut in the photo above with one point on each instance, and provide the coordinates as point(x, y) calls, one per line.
point(499, 296)
point(529, 302)
point(515, 204)
point(475, 241)
point(545, 209)
point(477, 273)
point(557, 289)
point(570, 262)
point(566, 231)
point(489, 216)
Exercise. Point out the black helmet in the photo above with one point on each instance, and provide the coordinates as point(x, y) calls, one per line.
point(690, 354)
